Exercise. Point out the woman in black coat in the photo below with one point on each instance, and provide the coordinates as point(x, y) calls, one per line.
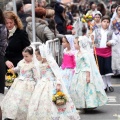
point(3, 45)
point(60, 19)
point(17, 39)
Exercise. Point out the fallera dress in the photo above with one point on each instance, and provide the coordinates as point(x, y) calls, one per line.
point(83, 94)
point(41, 106)
point(67, 67)
point(15, 104)
point(116, 48)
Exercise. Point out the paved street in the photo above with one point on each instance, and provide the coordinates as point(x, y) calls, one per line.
point(111, 111)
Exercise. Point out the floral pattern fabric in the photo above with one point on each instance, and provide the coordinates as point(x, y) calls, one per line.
point(83, 94)
point(41, 106)
point(15, 104)
point(116, 56)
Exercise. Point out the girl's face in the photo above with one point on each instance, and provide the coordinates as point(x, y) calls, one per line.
point(65, 43)
point(97, 18)
point(105, 24)
point(118, 11)
point(9, 24)
point(38, 56)
point(76, 44)
point(113, 10)
point(27, 57)
point(93, 7)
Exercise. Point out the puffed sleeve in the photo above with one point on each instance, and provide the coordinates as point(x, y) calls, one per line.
point(86, 63)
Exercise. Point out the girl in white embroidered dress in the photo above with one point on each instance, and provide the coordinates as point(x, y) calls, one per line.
point(15, 104)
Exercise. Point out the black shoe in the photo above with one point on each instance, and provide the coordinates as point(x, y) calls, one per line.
point(111, 89)
point(8, 119)
point(105, 90)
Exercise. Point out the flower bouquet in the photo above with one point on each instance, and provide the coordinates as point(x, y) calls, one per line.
point(59, 98)
point(9, 78)
point(86, 18)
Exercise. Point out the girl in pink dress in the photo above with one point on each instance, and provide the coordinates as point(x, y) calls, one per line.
point(68, 62)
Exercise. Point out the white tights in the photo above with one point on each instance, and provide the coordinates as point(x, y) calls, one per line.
point(107, 81)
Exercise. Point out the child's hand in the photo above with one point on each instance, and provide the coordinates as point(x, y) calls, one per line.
point(88, 77)
point(108, 44)
point(88, 80)
point(92, 38)
point(58, 87)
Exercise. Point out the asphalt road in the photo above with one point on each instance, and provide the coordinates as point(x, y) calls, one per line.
point(111, 111)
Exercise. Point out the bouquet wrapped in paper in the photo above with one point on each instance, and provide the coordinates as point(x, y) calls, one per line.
point(59, 98)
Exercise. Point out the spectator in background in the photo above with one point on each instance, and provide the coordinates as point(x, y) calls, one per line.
point(101, 8)
point(70, 15)
point(43, 32)
point(26, 2)
point(21, 13)
point(113, 7)
point(43, 3)
point(60, 19)
point(17, 39)
point(93, 9)
point(74, 8)
point(50, 14)
point(82, 9)
point(3, 45)
point(28, 9)
point(9, 6)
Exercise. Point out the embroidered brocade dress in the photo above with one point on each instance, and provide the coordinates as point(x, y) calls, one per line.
point(41, 106)
point(83, 94)
point(68, 65)
point(15, 104)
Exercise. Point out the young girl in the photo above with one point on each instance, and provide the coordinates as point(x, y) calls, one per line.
point(15, 104)
point(115, 48)
point(41, 106)
point(115, 21)
point(68, 62)
point(96, 23)
point(86, 87)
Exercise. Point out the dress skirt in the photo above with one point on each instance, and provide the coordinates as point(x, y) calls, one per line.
point(15, 104)
point(41, 106)
point(67, 75)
